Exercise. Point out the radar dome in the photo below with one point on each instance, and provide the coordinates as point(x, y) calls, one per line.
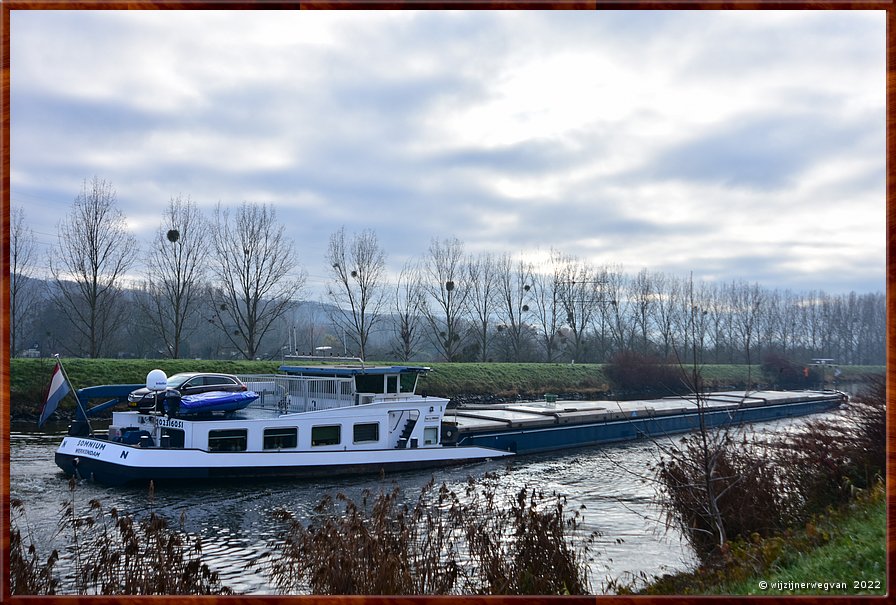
point(156, 380)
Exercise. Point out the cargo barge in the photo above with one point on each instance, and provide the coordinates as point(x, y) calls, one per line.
point(313, 421)
point(555, 425)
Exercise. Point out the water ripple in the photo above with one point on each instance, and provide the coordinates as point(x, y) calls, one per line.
point(236, 524)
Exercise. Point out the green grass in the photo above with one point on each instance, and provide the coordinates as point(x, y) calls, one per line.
point(29, 377)
point(854, 557)
point(511, 379)
point(841, 553)
point(536, 379)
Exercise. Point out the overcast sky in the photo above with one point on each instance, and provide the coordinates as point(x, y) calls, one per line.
point(735, 145)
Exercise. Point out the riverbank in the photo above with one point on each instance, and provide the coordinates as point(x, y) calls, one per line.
point(802, 513)
point(840, 553)
point(462, 382)
point(567, 473)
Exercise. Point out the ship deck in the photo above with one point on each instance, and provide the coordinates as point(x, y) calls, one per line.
point(476, 418)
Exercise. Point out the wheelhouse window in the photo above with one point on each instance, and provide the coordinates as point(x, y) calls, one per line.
point(230, 440)
point(392, 384)
point(367, 383)
point(368, 432)
point(408, 382)
point(281, 438)
point(326, 435)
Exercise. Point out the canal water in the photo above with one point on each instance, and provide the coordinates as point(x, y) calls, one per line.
point(236, 523)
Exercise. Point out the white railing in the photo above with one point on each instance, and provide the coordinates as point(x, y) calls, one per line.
point(290, 394)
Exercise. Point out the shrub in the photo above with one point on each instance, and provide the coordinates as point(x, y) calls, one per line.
point(716, 488)
point(113, 554)
point(440, 544)
point(630, 373)
point(27, 574)
point(783, 373)
point(829, 460)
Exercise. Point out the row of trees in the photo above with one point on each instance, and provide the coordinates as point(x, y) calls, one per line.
point(236, 271)
point(233, 282)
point(566, 309)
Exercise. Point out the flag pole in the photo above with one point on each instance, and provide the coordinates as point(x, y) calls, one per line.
point(74, 392)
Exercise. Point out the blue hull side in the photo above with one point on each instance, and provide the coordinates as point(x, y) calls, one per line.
point(524, 441)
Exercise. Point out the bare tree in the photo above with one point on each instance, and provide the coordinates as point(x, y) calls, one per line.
point(22, 289)
point(94, 253)
point(357, 290)
point(482, 276)
point(642, 299)
point(788, 323)
point(514, 286)
point(257, 275)
point(546, 290)
point(772, 320)
point(408, 311)
point(174, 274)
point(694, 472)
point(580, 296)
point(746, 300)
point(692, 318)
point(615, 306)
point(669, 295)
point(718, 321)
point(873, 330)
point(813, 321)
point(443, 285)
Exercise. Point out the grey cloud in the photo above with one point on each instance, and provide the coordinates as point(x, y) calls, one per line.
point(349, 140)
point(760, 152)
point(78, 116)
point(757, 47)
point(769, 270)
point(529, 157)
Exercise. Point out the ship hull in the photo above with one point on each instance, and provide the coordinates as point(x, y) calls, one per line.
point(524, 434)
point(116, 464)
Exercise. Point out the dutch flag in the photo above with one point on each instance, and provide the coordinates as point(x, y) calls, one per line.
point(58, 389)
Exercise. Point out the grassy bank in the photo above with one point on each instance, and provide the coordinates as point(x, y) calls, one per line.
point(513, 379)
point(840, 553)
point(855, 557)
point(29, 377)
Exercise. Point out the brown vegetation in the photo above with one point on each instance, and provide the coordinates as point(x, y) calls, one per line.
point(718, 489)
point(443, 543)
point(630, 372)
point(111, 554)
point(477, 542)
